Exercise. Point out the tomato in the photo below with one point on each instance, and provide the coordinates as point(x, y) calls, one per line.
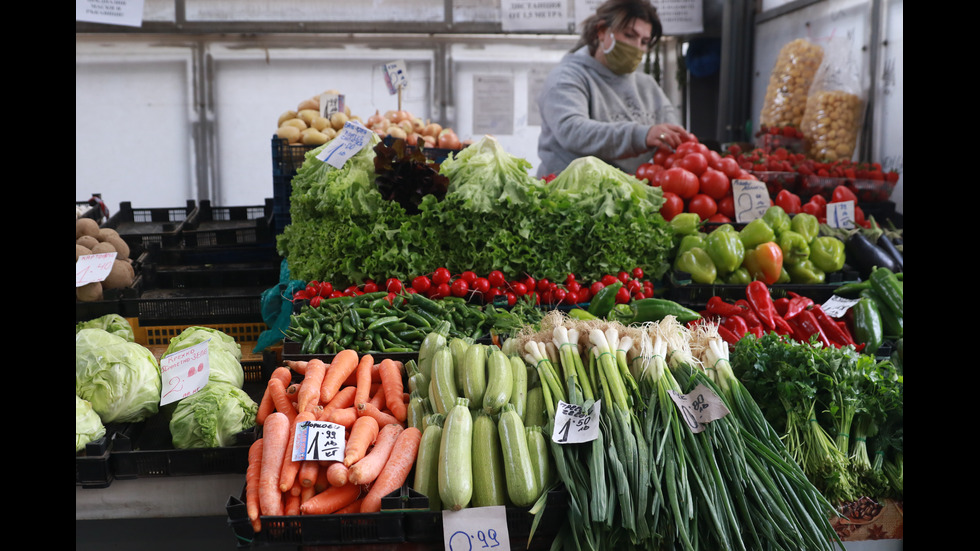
point(647, 171)
point(719, 218)
point(713, 158)
point(726, 206)
point(788, 201)
point(673, 205)
point(441, 275)
point(393, 285)
point(637, 272)
point(715, 183)
point(702, 205)
point(841, 194)
point(694, 162)
point(692, 146)
point(681, 181)
point(729, 166)
point(460, 287)
point(496, 278)
point(661, 155)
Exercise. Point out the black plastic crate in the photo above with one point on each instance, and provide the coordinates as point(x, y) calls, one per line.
point(211, 226)
point(92, 468)
point(205, 305)
point(696, 295)
point(146, 228)
point(197, 276)
point(258, 253)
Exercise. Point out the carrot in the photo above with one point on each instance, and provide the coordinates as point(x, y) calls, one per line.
point(343, 364)
point(337, 474)
point(321, 482)
point(330, 500)
point(292, 391)
point(309, 390)
point(383, 417)
point(282, 402)
point(344, 398)
point(395, 471)
point(363, 382)
point(306, 493)
point(368, 468)
point(299, 366)
point(379, 399)
point(308, 473)
point(391, 382)
point(266, 405)
point(290, 468)
point(375, 377)
point(275, 433)
point(252, 483)
point(291, 504)
point(343, 416)
point(362, 435)
point(354, 507)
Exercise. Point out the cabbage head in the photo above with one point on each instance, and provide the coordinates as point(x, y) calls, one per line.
point(224, 353)
point(121, 379)
point(211, 417)
point(88, 424)
point(113, 323)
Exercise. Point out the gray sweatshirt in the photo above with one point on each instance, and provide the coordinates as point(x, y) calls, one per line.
point(587, 110)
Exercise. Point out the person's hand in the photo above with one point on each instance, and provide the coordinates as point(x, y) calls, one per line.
point(667, 136)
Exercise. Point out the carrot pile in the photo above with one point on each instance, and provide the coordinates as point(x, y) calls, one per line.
point(369, 400)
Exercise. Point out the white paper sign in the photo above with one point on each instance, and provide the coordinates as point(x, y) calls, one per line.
point(111, 12)
point(494, 94)
point(573, 425)
point(93, 267)
point(330, 104)
point(680, 16)
point(184, 372)
point(699, 407)
point(841, 215)
point(351, 139)
point(319, 441)
point(837, 306)
point(396, 76)
point(751, 199)
point(533, 15)
point(476, 528)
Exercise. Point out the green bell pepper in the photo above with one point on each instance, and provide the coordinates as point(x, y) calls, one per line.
point(741, 276)
point(795, 247)
point(806, 273)
point(783, 276)
point(827, 253)
point(696, 262)
point(689, 242)
point(725, 249)
point(685, 223)
point(777, 219)
point(806, 225)
point(756, 233)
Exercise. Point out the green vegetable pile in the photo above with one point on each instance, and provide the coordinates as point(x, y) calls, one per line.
point(592, 220)
point(120, 378)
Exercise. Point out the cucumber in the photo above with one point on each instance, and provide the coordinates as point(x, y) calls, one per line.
point(538, 448)
point(535, 414)
point(458, 347)
point(518, 397)
point(522, 484)
point(444, 378)
point(474, 371)
point(455, 471)
point(426, 480)
point(489, 484)
point(500, 382)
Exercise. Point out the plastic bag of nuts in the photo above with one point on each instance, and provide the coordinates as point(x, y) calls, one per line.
point(789, 83)
point(834, 108)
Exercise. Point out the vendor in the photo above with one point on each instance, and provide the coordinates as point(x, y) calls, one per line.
point(595, 103)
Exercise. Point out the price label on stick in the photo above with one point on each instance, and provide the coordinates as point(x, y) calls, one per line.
point(396, 76)
point(93, 267)
point(751, 199)
point(476, 528)
point(575, 424)
point(352, 138)
point(184, 372)
point(319, 441)
point(841, 215)
point(699, 407)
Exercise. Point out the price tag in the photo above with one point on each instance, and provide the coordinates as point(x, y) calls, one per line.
point(319, 441)
point(837, 306)
point(751, 199)
point(841, 215)
point(331, 103)
point(351, 139)
point(574, 425)
point(699, 407)
point(476, 528)
point(184, 372)
point(93, 267)
point(395, 76)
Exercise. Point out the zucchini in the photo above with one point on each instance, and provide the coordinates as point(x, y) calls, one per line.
point(455, 471)
point(534, 412)
point(458, 347)
point(474, 370)
point(434, 340)
point(489, 484)
point(522, 484)
point(540, 452)
point(418, 383)
point(500, 382)
point(444, 379)
point(426, 480)
point(418, 408)
point(518, 397)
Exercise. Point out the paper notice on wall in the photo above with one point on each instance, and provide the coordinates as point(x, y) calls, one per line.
point(493, 105)
point(111, 12)
point(680, 16)
point(584, 9)
point(534, 15)
point(535, 83)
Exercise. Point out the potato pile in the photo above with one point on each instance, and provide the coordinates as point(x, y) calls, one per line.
point(789, 83)
point(91, 239)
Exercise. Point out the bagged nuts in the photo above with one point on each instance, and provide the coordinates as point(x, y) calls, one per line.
point(789, 83)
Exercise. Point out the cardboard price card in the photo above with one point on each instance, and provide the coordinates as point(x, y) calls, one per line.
point(575, 424)
point(184, 372)
point(90, 268)
point(319, 441)
point(352, 138)
point(751, 199)
point(841, 215)
point(699, 407)
point(476, 528)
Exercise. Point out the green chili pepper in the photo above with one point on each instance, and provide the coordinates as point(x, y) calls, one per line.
point(603, 301)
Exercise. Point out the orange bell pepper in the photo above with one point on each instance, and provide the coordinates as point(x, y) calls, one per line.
point(764, 262)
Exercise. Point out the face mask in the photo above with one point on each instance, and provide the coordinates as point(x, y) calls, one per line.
point(622, 58)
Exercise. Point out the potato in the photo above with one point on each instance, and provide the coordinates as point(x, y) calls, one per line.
point(120, 276)
point(312, 136)
point(118, 243)
point(309, 103)
point(285, 116)
point(81, 250)
point(321, 123)
point(337, 120)
point(105, 233)
point(87, 241)
point(307, 116)
point(289, 133)
point(90, 292)
point(103, 247)
point(86, 226)
point(298, 123)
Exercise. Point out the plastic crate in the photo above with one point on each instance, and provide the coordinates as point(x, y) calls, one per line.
point(92, 465)
point(867, 191)
point(206, 306)
point(211, 226)
point(258, 253)
point(696, 295)
point(777, 181)
point(146, 228)
point(206, 276)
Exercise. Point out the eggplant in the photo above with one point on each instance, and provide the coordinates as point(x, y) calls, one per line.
point(863, 254)
point(888, 245)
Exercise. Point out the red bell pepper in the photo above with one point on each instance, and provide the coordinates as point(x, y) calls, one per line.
point(736, 324)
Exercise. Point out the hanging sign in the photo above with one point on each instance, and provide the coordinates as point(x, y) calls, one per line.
point(533, 15)
point(128, 13)
point(396, 76)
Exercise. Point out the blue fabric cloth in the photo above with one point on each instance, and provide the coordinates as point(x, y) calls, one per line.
point(277, 307)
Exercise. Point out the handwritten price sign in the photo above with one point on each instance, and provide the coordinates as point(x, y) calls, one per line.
point(476, 528)
point(319, 441)
point(751, 199)
point(93, 267)
point(352, 138)
point(698, 408)
point(575, 424)
point(184, 372)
